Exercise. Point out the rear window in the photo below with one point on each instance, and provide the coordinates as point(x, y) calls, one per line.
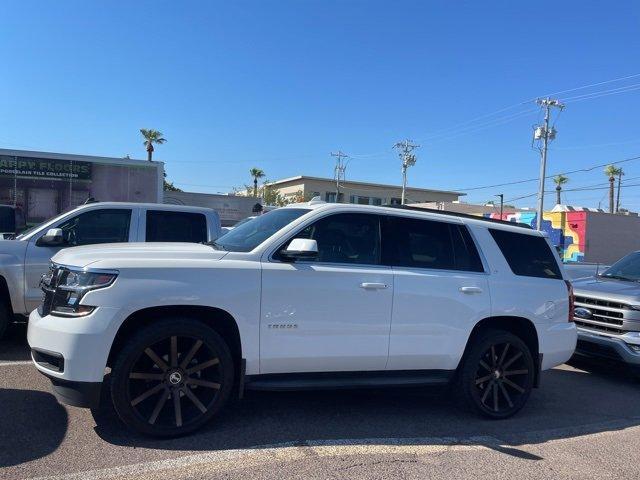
point(527, 255)
point(164, 226)
point(417, 243)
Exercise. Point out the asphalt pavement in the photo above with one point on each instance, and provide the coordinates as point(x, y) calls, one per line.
point(584, 422)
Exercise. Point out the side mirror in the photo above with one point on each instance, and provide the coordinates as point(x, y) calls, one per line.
point(53, 238)
point(300, 248)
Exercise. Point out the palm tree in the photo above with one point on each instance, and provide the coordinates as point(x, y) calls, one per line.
point(559, 180)
point(256, 173)
point(612, 172)
point(150, 137)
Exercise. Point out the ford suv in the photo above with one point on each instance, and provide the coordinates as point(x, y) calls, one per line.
point(312, 295)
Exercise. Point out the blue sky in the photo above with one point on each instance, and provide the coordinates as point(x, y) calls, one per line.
point(280, 84)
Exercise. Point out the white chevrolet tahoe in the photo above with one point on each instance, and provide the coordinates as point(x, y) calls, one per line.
point(312, 295)
point(26, 258)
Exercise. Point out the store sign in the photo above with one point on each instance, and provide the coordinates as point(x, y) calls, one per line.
point(44, 168)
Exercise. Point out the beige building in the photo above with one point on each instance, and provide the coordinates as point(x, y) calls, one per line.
point(363, 193)
point(470, 208)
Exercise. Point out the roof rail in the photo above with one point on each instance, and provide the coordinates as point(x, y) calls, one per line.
point(463, 215)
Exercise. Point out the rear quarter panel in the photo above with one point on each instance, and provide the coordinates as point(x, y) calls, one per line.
point(542, 301)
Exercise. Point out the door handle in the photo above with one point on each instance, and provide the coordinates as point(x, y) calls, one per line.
point(373, 286)
point(470, 290)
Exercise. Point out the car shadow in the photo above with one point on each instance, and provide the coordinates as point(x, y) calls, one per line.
point(32, 425)
point(13, 345)
point(570, 403)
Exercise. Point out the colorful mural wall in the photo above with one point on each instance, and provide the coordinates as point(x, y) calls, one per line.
point(567, 230)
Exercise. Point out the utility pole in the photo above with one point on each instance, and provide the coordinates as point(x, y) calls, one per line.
point(408, 160)
point(620, 173)
point(545, 134)
point(501, 195)
point(339, 170)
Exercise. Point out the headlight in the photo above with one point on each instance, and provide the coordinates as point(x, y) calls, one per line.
point(64, 290)
point(85, 280)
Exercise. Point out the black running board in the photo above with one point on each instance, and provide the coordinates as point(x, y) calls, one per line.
point(337, 380)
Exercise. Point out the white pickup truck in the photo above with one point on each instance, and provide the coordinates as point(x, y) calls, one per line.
point(26, 258)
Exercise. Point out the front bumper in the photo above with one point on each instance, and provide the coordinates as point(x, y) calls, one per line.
point(76, 394)
point(73, 352)
point(604, 346)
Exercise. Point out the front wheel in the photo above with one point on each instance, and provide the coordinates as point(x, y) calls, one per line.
point(171, 378)
point(497, 375)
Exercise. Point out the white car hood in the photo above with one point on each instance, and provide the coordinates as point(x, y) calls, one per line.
point(123, 255)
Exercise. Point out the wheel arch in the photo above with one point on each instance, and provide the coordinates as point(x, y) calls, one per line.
point(5, 294)
point(522, 327)
point(218, 319)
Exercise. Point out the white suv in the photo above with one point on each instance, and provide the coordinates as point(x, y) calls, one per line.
point(312, 295)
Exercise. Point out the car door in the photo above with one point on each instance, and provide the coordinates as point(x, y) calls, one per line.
point(440, 291)
point(106, 225)
point(332, 313)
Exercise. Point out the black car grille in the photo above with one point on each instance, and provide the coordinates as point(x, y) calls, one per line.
point(48, 284)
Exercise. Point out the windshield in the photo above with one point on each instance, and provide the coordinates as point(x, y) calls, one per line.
point(249, 235)
point(627, 268)
point(27, 232)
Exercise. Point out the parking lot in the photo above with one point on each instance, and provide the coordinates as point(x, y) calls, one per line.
point(583, 423)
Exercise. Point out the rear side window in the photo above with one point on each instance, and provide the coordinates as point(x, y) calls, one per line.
point(165, 226)
point(411, 242)
point(527, 255)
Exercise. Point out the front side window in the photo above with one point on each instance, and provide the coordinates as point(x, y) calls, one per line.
point(249, 235)
point(527, 255)
point(97, 226)
point(352, 238)
point(167, 226)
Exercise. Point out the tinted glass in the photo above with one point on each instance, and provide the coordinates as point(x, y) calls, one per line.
point(249, 235)
point(527, 255)
point(164, 226)
point(346, 238)
point(97, 226)
point(465, 250)
point(627, 268)
point(410, 242)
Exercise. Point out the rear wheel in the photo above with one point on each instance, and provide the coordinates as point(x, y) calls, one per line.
point(497, 375)
point(171, 378)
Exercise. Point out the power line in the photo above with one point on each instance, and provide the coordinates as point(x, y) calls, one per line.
point(555, 94)
point(517, 182)
point(604, 93)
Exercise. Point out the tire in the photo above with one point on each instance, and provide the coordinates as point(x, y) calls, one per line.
point(171, 378)
point(496, 376)
point(5, 317)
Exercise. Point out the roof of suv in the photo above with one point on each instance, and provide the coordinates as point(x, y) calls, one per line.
point(427, 213)
point(161, 206)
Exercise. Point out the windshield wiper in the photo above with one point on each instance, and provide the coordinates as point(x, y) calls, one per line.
point(617, 277)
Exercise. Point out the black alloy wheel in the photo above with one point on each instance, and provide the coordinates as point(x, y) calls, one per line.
point(171, 378)
point(497, 375)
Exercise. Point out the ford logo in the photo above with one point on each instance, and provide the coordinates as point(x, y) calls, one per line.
point(582, 312)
